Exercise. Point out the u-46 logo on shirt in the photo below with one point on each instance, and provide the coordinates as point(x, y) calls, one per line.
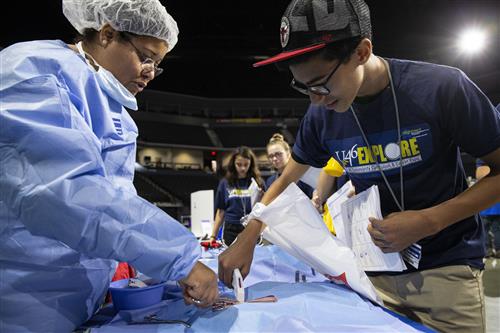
point(237, 192)
point(357, 157)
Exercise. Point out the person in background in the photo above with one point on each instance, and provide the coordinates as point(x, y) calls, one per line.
point(233, 197)
point(491, 215)
point(278, 153)
point(68, 208)
point(400, 125)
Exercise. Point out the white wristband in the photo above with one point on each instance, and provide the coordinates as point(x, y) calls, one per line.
point(255, 214)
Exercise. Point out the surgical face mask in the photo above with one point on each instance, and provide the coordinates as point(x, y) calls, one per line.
point(109, 83)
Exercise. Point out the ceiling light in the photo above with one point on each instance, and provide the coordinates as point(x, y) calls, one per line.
point(472, 41)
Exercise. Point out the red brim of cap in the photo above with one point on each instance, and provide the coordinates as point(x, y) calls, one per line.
point(289, 54)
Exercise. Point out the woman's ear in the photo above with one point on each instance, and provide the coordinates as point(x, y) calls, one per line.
point(106, 35)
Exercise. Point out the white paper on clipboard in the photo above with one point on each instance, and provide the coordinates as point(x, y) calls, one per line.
point(334, 204)
point(356, 212)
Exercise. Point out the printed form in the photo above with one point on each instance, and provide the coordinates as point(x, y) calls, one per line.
point(334, 204)
point(353, 222)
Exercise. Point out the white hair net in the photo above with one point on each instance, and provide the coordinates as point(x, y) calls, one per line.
point(141, 17)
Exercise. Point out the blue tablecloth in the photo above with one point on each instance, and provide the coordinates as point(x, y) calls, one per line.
point(312, 306)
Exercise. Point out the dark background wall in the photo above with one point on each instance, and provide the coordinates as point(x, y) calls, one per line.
point(219, 40)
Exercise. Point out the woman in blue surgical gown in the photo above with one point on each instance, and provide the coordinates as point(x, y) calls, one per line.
point(68, 208)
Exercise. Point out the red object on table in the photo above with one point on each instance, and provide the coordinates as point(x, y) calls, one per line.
point(123, 271)
point(213, 244)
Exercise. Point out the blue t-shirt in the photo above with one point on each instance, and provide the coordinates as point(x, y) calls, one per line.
point(308, 190)
point(495, 209)
point(440, 109)
point(234, 200)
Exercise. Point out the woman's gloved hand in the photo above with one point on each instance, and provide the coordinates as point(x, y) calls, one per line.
point(200, 286)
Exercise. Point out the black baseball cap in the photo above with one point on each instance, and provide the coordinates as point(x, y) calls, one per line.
point(309, 25)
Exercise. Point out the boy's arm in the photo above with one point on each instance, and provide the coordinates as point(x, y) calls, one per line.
point(240, 253)
point(324, 188)
point(399, 230)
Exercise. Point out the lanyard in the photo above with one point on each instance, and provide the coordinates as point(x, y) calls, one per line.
point(401, 203)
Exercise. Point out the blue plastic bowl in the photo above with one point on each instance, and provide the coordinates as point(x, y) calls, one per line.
point(125, 298)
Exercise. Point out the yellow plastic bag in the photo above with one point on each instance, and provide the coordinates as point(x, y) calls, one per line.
point(327, 218)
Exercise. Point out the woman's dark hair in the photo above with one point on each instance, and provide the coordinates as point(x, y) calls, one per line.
point(89, 35)
point(253, 170)
point(333, 51)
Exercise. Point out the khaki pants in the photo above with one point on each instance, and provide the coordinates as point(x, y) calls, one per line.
point(448, 299)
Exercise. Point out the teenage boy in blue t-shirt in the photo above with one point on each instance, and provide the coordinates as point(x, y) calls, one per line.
point(399, 125)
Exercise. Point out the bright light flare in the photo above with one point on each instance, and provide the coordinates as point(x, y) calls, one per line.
point(472, 41)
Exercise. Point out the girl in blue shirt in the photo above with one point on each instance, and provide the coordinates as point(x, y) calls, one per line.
point(233, 198)
point(279, 153)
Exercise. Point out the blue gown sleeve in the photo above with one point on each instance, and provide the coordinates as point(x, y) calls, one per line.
point(52, 178)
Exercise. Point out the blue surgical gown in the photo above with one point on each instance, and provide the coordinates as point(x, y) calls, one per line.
point(68, 208)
